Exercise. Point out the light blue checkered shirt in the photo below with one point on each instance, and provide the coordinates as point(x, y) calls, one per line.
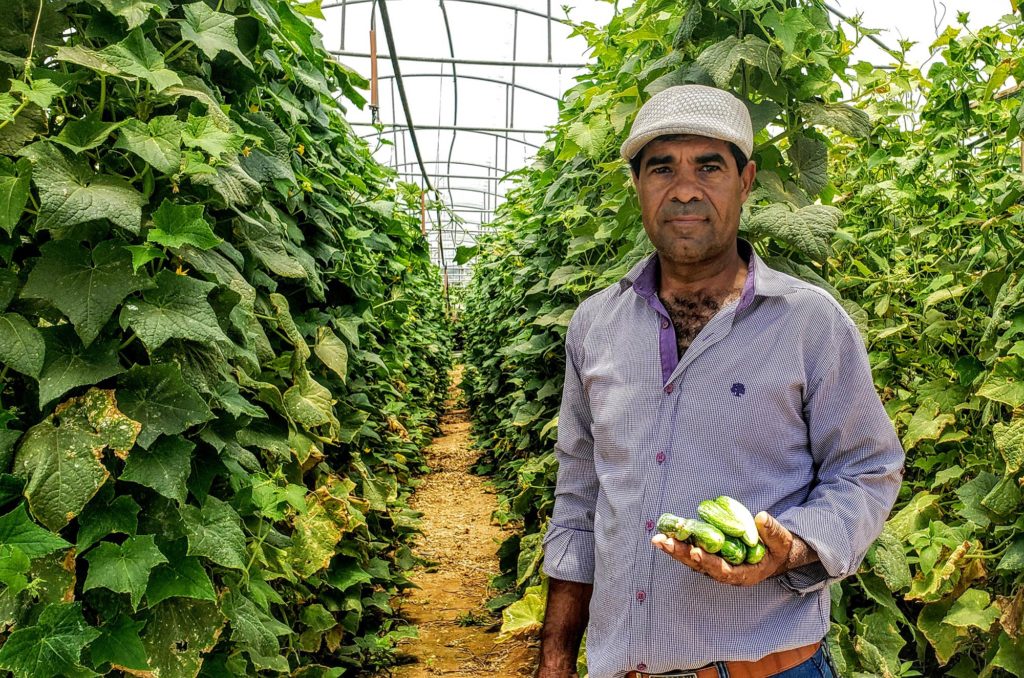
point(772, 404)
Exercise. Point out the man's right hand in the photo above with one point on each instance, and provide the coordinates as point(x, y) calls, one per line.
point(565, 620)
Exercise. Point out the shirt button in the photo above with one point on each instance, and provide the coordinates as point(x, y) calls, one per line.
point(664, 324)
point(670, 388)
point(649, 525)
point(660, 457)
point(641, 596)
point(641, 667)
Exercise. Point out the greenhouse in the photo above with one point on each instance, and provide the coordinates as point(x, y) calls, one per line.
point(608, 338)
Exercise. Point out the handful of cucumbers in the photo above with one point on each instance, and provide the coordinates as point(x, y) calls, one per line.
point(725, 527)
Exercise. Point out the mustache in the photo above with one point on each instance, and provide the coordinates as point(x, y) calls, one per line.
point(683, 210)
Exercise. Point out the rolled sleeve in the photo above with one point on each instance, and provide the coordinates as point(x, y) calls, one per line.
point(569, 542)
point(859, 463)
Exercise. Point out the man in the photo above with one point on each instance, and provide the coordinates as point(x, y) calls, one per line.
point(702, 373)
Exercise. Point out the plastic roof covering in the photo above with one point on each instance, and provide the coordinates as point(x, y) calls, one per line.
point(482, 79)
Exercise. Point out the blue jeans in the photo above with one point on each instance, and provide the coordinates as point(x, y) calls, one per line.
point(818, 666)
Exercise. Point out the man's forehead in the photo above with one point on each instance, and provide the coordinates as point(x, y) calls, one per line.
point(684, 143)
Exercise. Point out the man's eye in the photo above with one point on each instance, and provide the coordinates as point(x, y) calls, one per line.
point(660, 170)
point(710, 168)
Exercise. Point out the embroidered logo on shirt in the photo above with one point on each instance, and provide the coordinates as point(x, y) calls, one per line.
point(738, 389)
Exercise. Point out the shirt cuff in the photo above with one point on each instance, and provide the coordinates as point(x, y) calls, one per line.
point(569, 554)
point(823, 532)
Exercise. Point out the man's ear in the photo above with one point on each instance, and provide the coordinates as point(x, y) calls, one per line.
point(747, 179)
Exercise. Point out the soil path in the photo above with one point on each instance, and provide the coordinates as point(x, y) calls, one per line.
point(457, 635)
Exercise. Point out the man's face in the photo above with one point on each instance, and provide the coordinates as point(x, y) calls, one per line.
point(690, 196)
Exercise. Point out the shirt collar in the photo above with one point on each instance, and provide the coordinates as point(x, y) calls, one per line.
point(761, 279)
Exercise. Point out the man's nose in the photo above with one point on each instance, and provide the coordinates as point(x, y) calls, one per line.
point(686, 189)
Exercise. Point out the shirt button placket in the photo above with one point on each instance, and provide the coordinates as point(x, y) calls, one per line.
point(670, 388)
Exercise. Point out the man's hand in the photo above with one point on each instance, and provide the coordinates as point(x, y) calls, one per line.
point(784, 551)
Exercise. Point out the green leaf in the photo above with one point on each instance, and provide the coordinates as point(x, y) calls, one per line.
point(1010, 443)
point(973, 608)
point(62, 456)
point(525, 617)
point(264, 239)
point(14, 189)
point(85, 285)
point(591, 135)
point(314, 538)
point(136, 56)
point(810, 157)
point(1005, 384)
point(945, 639)
point(124, 567)
point(214, 532)
point(206, 133)
point(972, 493)
point(21, 345)
point(41, 91)
point(161, 401)
point(464, 253)
point(176, 309)
point(120, 645)
point(787, 26)
point(842, 117)
point(182, 576)
point(889, 561)
point(332, 352)
point(69, 364)
point(157, 142)
point(14, 566)
point(808, 229)
point(164, 467)
point(179, 225)
point(104, 515)
point(722, 58)
point(52, 646)
point(252, 628)
point(211, 31)
point(135, 12)
point(310, 404)
point(143, 254)
point(1013, 558)
point(85, 133)
point(1010, 655)
point(1003, 499)
point(926, 424)
point(18, 530)
point(179, 632)
point(70, 192)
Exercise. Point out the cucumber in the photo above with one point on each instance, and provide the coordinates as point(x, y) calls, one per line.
point(731, 517)
point(706, 536)
point(733, 551)
point(756, 553)
point(674, 526)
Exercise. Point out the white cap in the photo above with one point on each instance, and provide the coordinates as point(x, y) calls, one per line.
point(691, 109)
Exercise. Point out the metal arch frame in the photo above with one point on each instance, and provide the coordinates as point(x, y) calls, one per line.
point(405, 128)
point(460, 62)
point(471, 77)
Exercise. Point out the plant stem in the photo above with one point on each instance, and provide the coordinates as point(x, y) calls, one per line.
point(103, 94)
point(17, 111)
point(32, 45)
point(127, 342)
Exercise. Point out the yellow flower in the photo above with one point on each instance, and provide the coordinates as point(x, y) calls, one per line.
point(254, 108)
point(301, 150)
point(246, 151)
point(181, 271)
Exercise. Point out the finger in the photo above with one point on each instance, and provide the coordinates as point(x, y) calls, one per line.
point(770, 530)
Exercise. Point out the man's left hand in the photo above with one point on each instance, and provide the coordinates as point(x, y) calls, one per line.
point(784, 551)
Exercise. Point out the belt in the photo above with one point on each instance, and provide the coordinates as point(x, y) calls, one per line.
point(764, 667)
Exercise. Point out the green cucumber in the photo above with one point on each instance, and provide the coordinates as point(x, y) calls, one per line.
point(756, 553)
point(733, 551)
point(706, 536)
point(673, 526)
point(731, 517)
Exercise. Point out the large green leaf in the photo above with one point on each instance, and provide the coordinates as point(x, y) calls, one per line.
point(179, 632)
point(85, 285)
point(17, 529)
point(15, 179)
point(124, 567)
point(104, 515)
point(215, 533)
point(164, 467)
point(69, 364)
point(158, 142)
point(211, 135)
point(810, 157)
point(722, 58)
point(973, 608)
point(211, 31)
point(946, 640)
point(120, 645)
point(176, 309)
point(332, 352)
point(526, 616)
point(182, 576)
point(926, 424)
point(51, 647)
point(787, 26)
point(808, 229)
point(1010, 655)
point(313, 540)
point(1005, 384)
point(61, 457)
point(889, 561)
point(256, 631)
point(1010, 443)
point(179, 225)
point(161, 401)
point(134, 57)
point(85, 133)
point(135, 12)
point(21, 345)
point(70, 192)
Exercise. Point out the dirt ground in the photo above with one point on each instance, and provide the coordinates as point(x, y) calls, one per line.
point(458, 637)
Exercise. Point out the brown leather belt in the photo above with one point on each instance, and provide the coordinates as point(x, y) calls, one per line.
point(764, 667)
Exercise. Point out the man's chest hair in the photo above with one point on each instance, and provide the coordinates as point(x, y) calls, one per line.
point(690, 313)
